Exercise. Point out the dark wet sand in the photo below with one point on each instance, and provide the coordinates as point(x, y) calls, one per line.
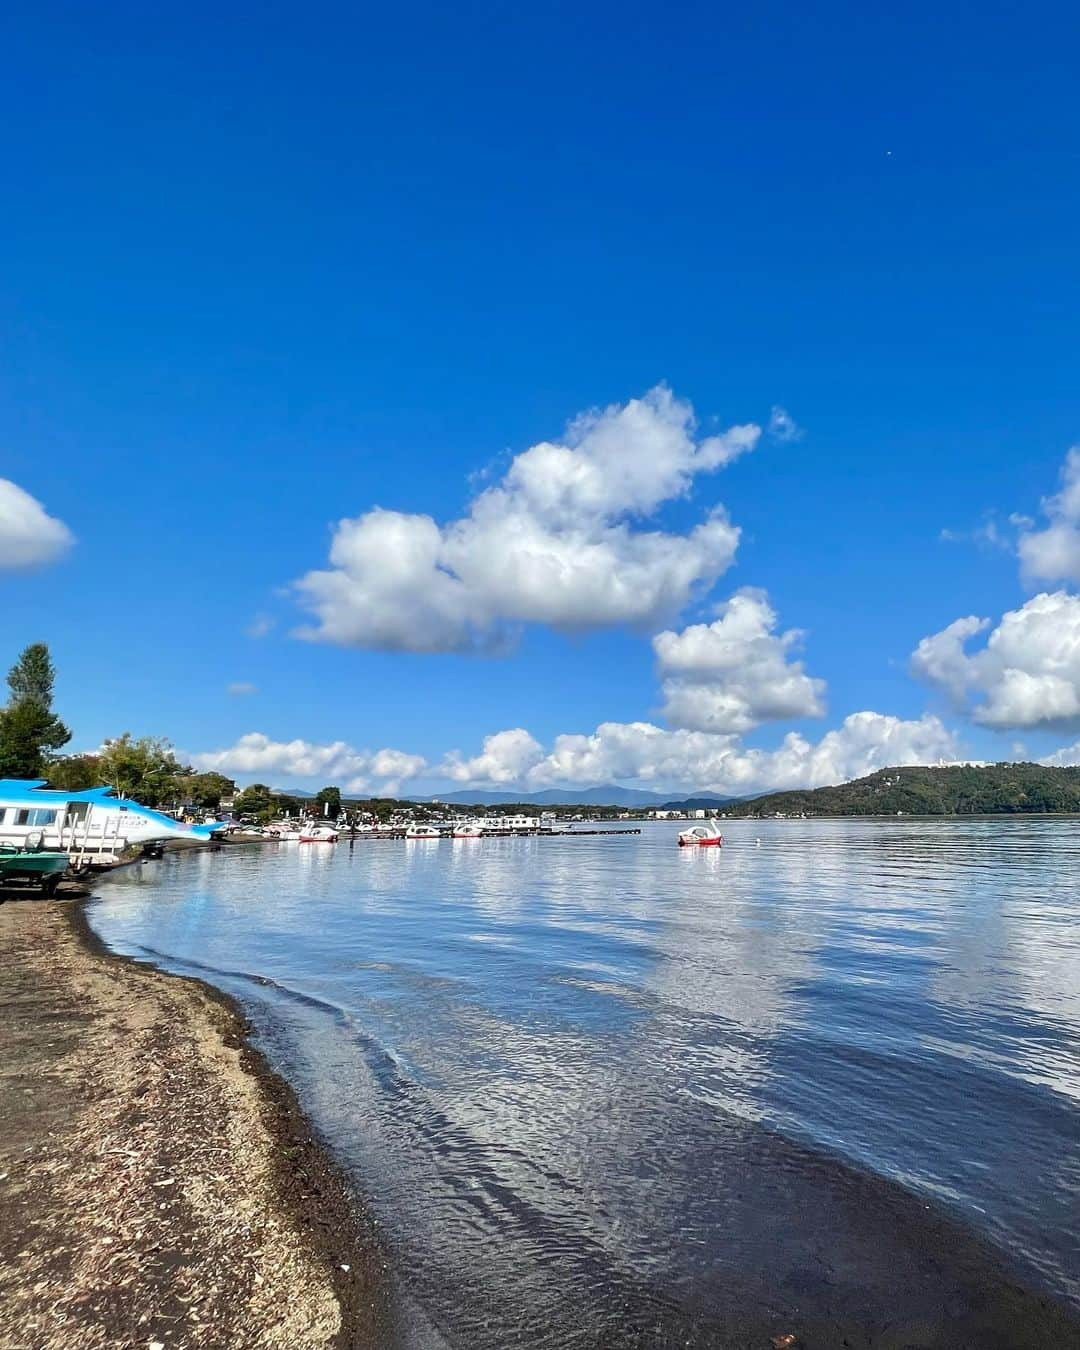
point(158, 1185)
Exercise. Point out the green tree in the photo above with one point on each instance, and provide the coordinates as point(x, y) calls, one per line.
point(256, 800)
point(206, 789)
point(328, 797)
point(33, 675)
point(29, 729)
point(75, 773)
point(145, 769)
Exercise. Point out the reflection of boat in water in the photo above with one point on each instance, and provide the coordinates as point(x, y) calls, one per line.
point(318, 834)
point(702, 836)
point(32, 867)
point(422, 832)
point(469, 831)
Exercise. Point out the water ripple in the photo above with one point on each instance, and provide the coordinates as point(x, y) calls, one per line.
point(593, 1087)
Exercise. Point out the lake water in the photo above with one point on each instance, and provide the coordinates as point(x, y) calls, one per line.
point(601, 1091)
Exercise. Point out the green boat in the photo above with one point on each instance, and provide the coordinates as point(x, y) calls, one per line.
point(28, 867)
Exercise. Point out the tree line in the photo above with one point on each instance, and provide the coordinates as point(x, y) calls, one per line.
point(948, 790)
point(145, 768)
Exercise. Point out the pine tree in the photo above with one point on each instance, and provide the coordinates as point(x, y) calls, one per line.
point(29, 729)
point(33, 675)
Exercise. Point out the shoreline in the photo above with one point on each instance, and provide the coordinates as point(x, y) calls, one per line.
point(73, 1273)
point(159, 1183)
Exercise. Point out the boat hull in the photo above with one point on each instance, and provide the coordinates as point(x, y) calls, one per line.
point(43, 869)
point(701, 843)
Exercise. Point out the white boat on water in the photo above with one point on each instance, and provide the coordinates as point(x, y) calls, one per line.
point(701, 836)
point(284, 830)
point(422, 832)
point(467, 831)
point(319, 834)
point(95, 826)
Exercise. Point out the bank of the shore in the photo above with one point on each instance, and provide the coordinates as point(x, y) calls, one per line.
point(158, 1184)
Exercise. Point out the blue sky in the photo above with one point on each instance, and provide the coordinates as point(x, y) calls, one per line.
point(267, 270)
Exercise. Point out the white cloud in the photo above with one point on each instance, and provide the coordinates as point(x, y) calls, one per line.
point(645, 753)
point(615, 752)
point(557, 540)
point(507, 757)
point(988, 534)
point(1028, 672)
point(1053, 553)
point(256, 755)
point(28, 535)
point(241, 687)
point(731, 675)
point(941, 658)
point(782, 426)
point(1064, 758)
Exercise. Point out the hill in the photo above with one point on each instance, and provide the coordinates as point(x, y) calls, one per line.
point(701, 802)
point(957, 790)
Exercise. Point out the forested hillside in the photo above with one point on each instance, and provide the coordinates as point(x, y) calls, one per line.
point(960, 790)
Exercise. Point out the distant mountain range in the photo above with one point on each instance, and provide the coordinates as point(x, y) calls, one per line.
point(609, 795)
point(955, 789)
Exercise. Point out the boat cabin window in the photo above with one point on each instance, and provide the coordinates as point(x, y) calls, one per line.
point(34, 815)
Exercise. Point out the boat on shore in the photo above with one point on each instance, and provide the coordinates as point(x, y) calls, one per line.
point(92, 828)
point(702, 836)
point(43, 868)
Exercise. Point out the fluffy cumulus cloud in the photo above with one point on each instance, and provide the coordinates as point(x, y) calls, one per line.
point(1027, 673)
point(507, 757)
point(645, 753)
point(257, 756)
point(731, 675)
point(28, 534)
point(561, 539)
point(1053, 553)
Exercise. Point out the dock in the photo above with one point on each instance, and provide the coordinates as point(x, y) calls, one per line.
point(400, 833)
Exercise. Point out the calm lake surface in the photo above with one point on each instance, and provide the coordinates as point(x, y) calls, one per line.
point(599, 1088)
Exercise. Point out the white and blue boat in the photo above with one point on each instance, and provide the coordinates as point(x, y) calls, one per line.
point(93, 827)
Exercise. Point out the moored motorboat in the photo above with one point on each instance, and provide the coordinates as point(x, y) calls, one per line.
point(701, 836)
point(422, 832)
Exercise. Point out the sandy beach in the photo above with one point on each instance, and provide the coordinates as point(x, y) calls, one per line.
point(158, 1185)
